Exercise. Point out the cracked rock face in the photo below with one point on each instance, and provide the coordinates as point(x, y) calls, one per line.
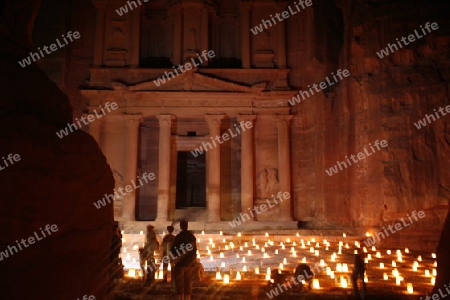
point(55, 181)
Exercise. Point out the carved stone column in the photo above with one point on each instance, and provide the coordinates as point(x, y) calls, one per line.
point(135, 37)
point(176, 15)
point(247, 164)
point(281, 33)
point(132, 142)
point(284, 164)
point(204, 27)
point(213, 182)
point(99, 32)
point(245, 34)
point(165, 127)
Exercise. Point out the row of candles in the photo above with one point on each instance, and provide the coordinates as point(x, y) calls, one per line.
point(314, 249)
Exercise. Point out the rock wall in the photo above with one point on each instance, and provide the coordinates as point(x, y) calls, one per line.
point(55, 181)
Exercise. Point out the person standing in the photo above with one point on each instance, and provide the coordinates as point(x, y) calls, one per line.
point(166, 246)
point(147, 254)
point(358, 273)
point(183, 253)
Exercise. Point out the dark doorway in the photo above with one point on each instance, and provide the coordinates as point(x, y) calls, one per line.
point(191, 180)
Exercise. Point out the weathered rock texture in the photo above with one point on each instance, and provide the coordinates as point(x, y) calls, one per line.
point(381, 100)
point(55, 182)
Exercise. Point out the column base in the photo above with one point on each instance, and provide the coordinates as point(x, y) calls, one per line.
point(214, 219)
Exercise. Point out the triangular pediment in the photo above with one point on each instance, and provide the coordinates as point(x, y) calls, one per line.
point(195, 82)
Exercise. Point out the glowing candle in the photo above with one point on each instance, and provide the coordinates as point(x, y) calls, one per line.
point(313, 240)
point(395, 273)
point(409, 288)
point(161, 274)
point(381, 265)
point(316, 284)
point(239, 234)
point(211, 258)
point(218, 275)
point(394, 264)
point(267, 234)
point(316, 253)
point(237, 255)
point(398, 280)
point(374, 249)
point(366, 279)
point(304, 260)
point(406, 250)
point(221, 255)
point(419, 258)
point(344, 235)
point(433, 280)
point(280, 266)
point(288, 240)
point(221, 233)
point(245, 244)
point(311, 249)
point(344, 268)
point(276, 251)
point(388, 252)
point(256, 270)
point(241, 248)
point(243, 259)
point(433, 255)
point(285, 261)
point(132, 273)
point(226, 279)
point(238, 275)
point(249, 252)
point(343, 282)
point(378, 255)
point(141, 232)
point(427, 273)
point(244, 268)
point(339, 267)
point(222, 264)
point(385, 276)
point(226, 247)
point(322, 263)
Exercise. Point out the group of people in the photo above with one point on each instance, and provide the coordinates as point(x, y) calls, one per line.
point(180, 251)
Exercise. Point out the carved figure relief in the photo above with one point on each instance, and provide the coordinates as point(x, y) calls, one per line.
point(268, 182)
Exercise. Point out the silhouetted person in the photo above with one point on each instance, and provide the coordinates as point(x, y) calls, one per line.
point(146, 254)
point(116, 269)
point(183, 253)
point(358, 273)
point(166, 246)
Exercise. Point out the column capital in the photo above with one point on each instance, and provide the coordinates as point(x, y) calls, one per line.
point(165, 120)
point(100, 4)
point(245, 4)
point(133, 119)
point(214, 120)
point(245, 118)
point(283, 119)
point(280, 6)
